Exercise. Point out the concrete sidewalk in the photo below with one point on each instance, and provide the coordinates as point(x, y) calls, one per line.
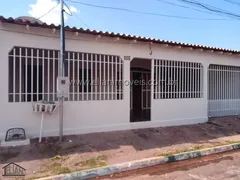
point(88, 151)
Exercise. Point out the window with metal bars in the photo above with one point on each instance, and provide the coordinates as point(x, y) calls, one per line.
point(175, 79)
point(33, 73)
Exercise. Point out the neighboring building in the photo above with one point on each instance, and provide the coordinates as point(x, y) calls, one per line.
point(191, 82)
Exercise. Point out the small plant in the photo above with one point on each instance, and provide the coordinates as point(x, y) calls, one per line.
point(57, 157)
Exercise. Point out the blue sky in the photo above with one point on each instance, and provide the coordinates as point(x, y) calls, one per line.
point(213, 33)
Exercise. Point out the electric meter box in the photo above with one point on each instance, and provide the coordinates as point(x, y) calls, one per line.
point(62, 87)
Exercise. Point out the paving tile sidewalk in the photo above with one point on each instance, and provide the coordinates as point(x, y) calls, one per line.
point(80, 152)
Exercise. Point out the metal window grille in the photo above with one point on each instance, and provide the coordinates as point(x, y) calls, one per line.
point(176, 79)
point(223, 90)
point(33, 73)
point(94, 76)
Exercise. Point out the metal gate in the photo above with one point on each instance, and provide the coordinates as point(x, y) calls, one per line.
point(145, 84)
point(223, 90)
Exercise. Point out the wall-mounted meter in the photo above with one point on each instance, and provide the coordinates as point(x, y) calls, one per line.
point(62, 87)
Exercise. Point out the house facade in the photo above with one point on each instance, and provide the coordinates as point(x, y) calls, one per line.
point(117, 81)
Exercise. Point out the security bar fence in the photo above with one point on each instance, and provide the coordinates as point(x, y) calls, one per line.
point(223, 90)
point(33, 73)
point(175, 79)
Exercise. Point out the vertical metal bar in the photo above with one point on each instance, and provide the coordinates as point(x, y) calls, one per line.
point(161, 79)
point(168, 72)
point(115, 81)
point(179, 75)
point(73, 79)
point(171, 79)
point(100, 74)
point(95, 83)
point(43, 74)
point(48, 81)
point(108, 62)
point(190, 81)
point(91, 78)
point(154, 65)
point(165, 78)
point(182, 79)
point(37, 74)
point(69, 75)
point(112, 76)
point(197, 81)
point(120, 78)
point(157, 67)
point(174, 79)
point(82, 80)
point(104, 77)
point(232, 88)
point(213, 82)
point(31, 75)
point(142, 106)
point(87, 71)
point(54, 78)
point(14, 70)
point(147, 90)
point(221, 82)
point(186, 76)
point(78, 77)
point(20, 74)
point(26, 74)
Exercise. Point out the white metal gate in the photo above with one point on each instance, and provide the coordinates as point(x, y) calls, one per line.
point(145, 92)
point(223, 90)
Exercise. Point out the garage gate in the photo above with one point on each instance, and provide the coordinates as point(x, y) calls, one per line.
point(223, 90)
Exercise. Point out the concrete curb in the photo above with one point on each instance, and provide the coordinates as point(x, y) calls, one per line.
point(107, 170)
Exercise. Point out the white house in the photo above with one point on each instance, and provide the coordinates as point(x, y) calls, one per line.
point(184, 83)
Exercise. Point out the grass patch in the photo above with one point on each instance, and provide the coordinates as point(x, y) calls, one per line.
point(93, 162)
point(198, 147)
point(57, 168)
point(8, 155)
point(231, 142)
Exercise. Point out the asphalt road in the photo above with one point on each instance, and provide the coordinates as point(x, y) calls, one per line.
point(215, 167)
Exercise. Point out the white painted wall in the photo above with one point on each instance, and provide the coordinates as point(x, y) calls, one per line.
point(92, 116)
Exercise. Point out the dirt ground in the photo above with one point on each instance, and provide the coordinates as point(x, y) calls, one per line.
point(79, 152)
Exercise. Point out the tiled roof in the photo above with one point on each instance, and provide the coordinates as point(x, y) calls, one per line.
point(111, 34)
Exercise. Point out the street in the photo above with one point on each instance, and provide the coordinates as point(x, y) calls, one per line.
point(214, 167)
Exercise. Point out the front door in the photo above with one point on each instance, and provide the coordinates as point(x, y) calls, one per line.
point(140, 96)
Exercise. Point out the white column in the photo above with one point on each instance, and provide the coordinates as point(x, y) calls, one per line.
point(126, 87)
point(204, 75)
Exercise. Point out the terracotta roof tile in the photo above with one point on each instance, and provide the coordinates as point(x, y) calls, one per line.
point(120, 35)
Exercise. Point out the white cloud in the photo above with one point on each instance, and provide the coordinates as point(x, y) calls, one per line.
point(41, 7)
